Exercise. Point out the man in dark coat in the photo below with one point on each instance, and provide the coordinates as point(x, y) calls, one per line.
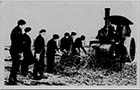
point(77, 45)
point(71, 41)
point(65, 43)
point(15, 50)
point(27, 53)
point(39, 45)
point(51, 50)
point(106, 34)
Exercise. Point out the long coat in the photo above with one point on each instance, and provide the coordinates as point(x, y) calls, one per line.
point(39, 45)
point(51, 50)
point(16, 48)
point(27, 53)
point(51, 47)
point(16, 40)
point(65, 44)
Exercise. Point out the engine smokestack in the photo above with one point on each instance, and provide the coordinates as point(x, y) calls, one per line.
point(107, 14)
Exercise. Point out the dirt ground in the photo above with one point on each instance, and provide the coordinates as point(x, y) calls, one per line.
point(79, 77)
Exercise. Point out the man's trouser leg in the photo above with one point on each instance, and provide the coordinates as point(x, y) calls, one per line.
point(42, 66)
point(24, 68)
point(15, 66)
point(50, 63)
point(36, 69)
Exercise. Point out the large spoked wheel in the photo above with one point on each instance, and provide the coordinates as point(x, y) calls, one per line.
point(129, 43)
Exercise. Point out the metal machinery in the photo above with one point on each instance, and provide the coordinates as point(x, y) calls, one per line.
point(113, 46)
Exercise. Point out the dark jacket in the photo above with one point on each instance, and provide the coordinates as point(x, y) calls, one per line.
point(51, 47)
point(65, 44)
point(77, 44)
point(71, 40)
point(27, 53)
point(106, 36)
point(39, 44)
point(16, 40)
point(26, 42)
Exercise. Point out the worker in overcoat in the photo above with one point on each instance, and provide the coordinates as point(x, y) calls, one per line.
point(16, 50)
point(39, 46)
point(65, 43)
point(28, 58)
point(52, 48)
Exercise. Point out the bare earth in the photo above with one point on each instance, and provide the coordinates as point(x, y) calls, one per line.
point(81, 76)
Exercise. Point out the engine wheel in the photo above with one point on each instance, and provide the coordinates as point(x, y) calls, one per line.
point(132, 49)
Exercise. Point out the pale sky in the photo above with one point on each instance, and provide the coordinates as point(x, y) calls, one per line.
point(64, 16)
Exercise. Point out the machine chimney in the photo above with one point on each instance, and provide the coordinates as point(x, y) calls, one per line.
point(107, 14)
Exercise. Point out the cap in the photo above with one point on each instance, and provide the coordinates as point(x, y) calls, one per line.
point(73, 33)
point(21, 22)
point(55, 36)
point(27, 29)
point(82, 37)
point(66, 34)
point(42, 30)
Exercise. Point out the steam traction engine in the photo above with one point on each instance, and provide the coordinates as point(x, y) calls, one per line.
point(113, 46)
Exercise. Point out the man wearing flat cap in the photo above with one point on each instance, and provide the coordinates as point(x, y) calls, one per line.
point(27, 53)
point(78, 45)
point(51, 50)
point(16, 50)
point(39, 46)
point(71, 41)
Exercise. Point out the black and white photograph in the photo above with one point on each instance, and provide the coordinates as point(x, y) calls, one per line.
point(74, 44)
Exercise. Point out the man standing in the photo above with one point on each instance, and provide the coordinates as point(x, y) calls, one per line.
point(15, 50)
point(27, 53)
point(39, 45)
point(51, 50)
point(71, 41)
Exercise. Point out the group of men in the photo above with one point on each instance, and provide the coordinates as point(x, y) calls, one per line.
point(21, 46)
point(69, 46)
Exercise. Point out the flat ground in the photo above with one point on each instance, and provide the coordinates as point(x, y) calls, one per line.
point(80, 76)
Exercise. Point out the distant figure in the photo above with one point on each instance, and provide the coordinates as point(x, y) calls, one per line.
point(102, 35)
point(51, 50)
point(106, 34)
point(16, 50)
point(78, 45)
point(39, 45)
point(71, 41)
point(126, 31)
point(27, 53)
point(111, 33)
point(118, 35)
point(65, 43)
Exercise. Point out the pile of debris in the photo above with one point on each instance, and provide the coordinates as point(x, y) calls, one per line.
point(78, 74)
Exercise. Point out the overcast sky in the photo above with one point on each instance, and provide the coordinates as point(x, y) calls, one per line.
point(64, 16)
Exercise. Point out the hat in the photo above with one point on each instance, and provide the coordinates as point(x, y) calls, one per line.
point(27, 29)
point(73, 33)
point(66, 34)
point(42, 30)
point(21, 22)
point(55, 36)
point(82, 37)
